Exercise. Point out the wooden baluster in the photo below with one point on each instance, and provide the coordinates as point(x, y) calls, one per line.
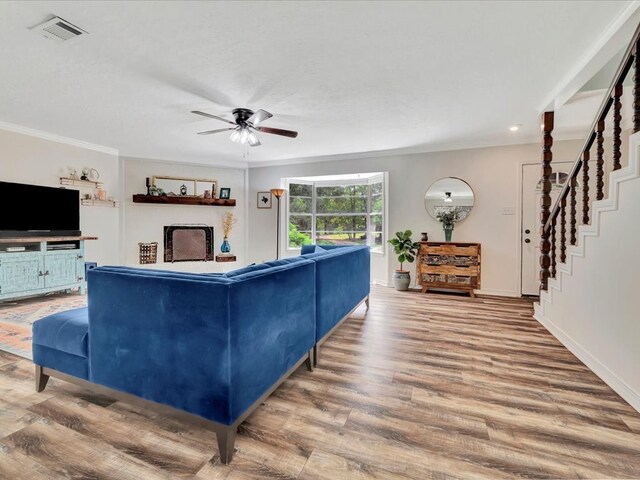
point(563, 230)
point(636, 88)
point(573, 212)
point(617, 129)
point(545, 200)
point(600, 160)
point(585, 186)
point(553, 246)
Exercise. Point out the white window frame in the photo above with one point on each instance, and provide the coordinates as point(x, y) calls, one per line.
point(380, 178)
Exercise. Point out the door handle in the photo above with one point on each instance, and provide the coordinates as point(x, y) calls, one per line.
point(526, 240)
point(527, 231)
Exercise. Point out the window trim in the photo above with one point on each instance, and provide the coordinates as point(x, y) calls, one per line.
point(380, 178)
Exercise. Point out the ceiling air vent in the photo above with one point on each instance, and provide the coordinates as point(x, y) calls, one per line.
point(59, 29)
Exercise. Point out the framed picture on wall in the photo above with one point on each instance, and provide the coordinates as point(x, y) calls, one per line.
point(264, 199)
point(225, 193)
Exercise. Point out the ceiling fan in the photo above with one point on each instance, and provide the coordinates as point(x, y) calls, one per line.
point(245, 126)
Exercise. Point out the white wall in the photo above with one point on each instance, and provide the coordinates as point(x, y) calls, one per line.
point(144, 222)
point(493, 173)
point(33, 160)
point(593, 311)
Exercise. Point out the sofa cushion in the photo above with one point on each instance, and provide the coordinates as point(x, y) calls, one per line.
point(247, 269)
point(64, 331)
point(284, 261)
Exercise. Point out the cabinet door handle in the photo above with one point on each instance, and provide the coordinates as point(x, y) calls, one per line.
point(526, 240)
point(46, 272)
point(40, 274)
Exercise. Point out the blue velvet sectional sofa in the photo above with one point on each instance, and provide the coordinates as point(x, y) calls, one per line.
point(212, 346)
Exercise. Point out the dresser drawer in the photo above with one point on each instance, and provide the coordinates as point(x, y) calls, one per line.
point(471, 271)
point(448, 281)
point(449, 260)
point(471, 250)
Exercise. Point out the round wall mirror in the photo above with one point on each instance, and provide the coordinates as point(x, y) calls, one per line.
point(449, 194)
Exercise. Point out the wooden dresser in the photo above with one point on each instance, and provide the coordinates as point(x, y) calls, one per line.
point(449, 265)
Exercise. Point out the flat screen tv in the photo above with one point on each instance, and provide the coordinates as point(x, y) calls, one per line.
point(34, 211)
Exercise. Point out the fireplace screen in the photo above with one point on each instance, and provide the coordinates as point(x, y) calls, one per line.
point(188, 243)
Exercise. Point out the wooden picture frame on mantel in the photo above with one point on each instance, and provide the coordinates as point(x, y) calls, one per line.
point(194, 187)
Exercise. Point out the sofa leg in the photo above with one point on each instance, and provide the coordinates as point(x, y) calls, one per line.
point(41, 379)
point(366, 302)
point(316, 355)
point(310, 359)
point(226, 441)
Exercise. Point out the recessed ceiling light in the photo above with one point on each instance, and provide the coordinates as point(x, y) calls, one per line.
point(515, 128)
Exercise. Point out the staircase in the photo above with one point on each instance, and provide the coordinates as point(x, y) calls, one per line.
point(590, 263)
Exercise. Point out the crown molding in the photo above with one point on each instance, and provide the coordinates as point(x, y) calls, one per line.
point(224, 164)
point(523, 140)
point(32, 132)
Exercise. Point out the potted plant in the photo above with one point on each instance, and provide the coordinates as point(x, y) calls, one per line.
point(448, 218)
point(405, 249)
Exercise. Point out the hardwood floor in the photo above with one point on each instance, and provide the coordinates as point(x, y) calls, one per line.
point(422, 386)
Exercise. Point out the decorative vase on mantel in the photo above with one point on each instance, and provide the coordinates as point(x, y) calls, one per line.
point(225, 247)
point(448, 231)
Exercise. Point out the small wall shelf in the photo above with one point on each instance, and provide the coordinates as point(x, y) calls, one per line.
point(165, 199)
point(87, 202)
point(80, 183)
point(225, 258)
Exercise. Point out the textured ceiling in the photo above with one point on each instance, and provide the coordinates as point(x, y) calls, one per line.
point(349, 76)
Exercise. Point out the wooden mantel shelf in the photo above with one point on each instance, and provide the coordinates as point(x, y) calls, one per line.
point(165, 199)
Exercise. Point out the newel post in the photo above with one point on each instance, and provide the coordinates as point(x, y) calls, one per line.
point(545, 201)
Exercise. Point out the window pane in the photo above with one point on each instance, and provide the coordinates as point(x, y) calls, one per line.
point(342, 191)
point(301, 222)
point(341, 238)
point(346, 223)
point(376, 188)
point(300, 205)
point(376, 223)
point(376, 242)
point(341, 204)
point(300, 190)
point(376, 204)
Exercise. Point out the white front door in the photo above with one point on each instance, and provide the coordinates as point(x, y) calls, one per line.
point(530, 237)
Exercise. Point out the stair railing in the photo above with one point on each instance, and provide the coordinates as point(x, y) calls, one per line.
point(554, 219)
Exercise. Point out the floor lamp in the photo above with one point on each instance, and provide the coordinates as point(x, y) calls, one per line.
point(278, 192)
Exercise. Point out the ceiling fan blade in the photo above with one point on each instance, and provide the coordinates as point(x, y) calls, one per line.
point(209, 132)
point(278, 131)
point(254, 142)
point(198, 112)
point(259, 116)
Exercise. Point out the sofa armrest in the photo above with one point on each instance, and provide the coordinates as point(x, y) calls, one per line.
point(272, 328)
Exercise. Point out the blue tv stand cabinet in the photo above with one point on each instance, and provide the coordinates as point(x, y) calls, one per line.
point(32, 266)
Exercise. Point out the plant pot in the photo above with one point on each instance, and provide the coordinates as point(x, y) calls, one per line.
point(401, 280)
point(447, 233)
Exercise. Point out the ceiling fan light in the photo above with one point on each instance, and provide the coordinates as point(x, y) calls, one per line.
point(252, 138)
point(244, 135)
point(447, 197)
point(235, 136)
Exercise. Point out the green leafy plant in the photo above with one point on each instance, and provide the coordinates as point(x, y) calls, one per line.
point(448, 217)
point(404, 247)
point(297, 238)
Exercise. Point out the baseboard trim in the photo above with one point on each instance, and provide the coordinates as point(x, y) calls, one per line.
point(607, 376)
point(498, 293)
